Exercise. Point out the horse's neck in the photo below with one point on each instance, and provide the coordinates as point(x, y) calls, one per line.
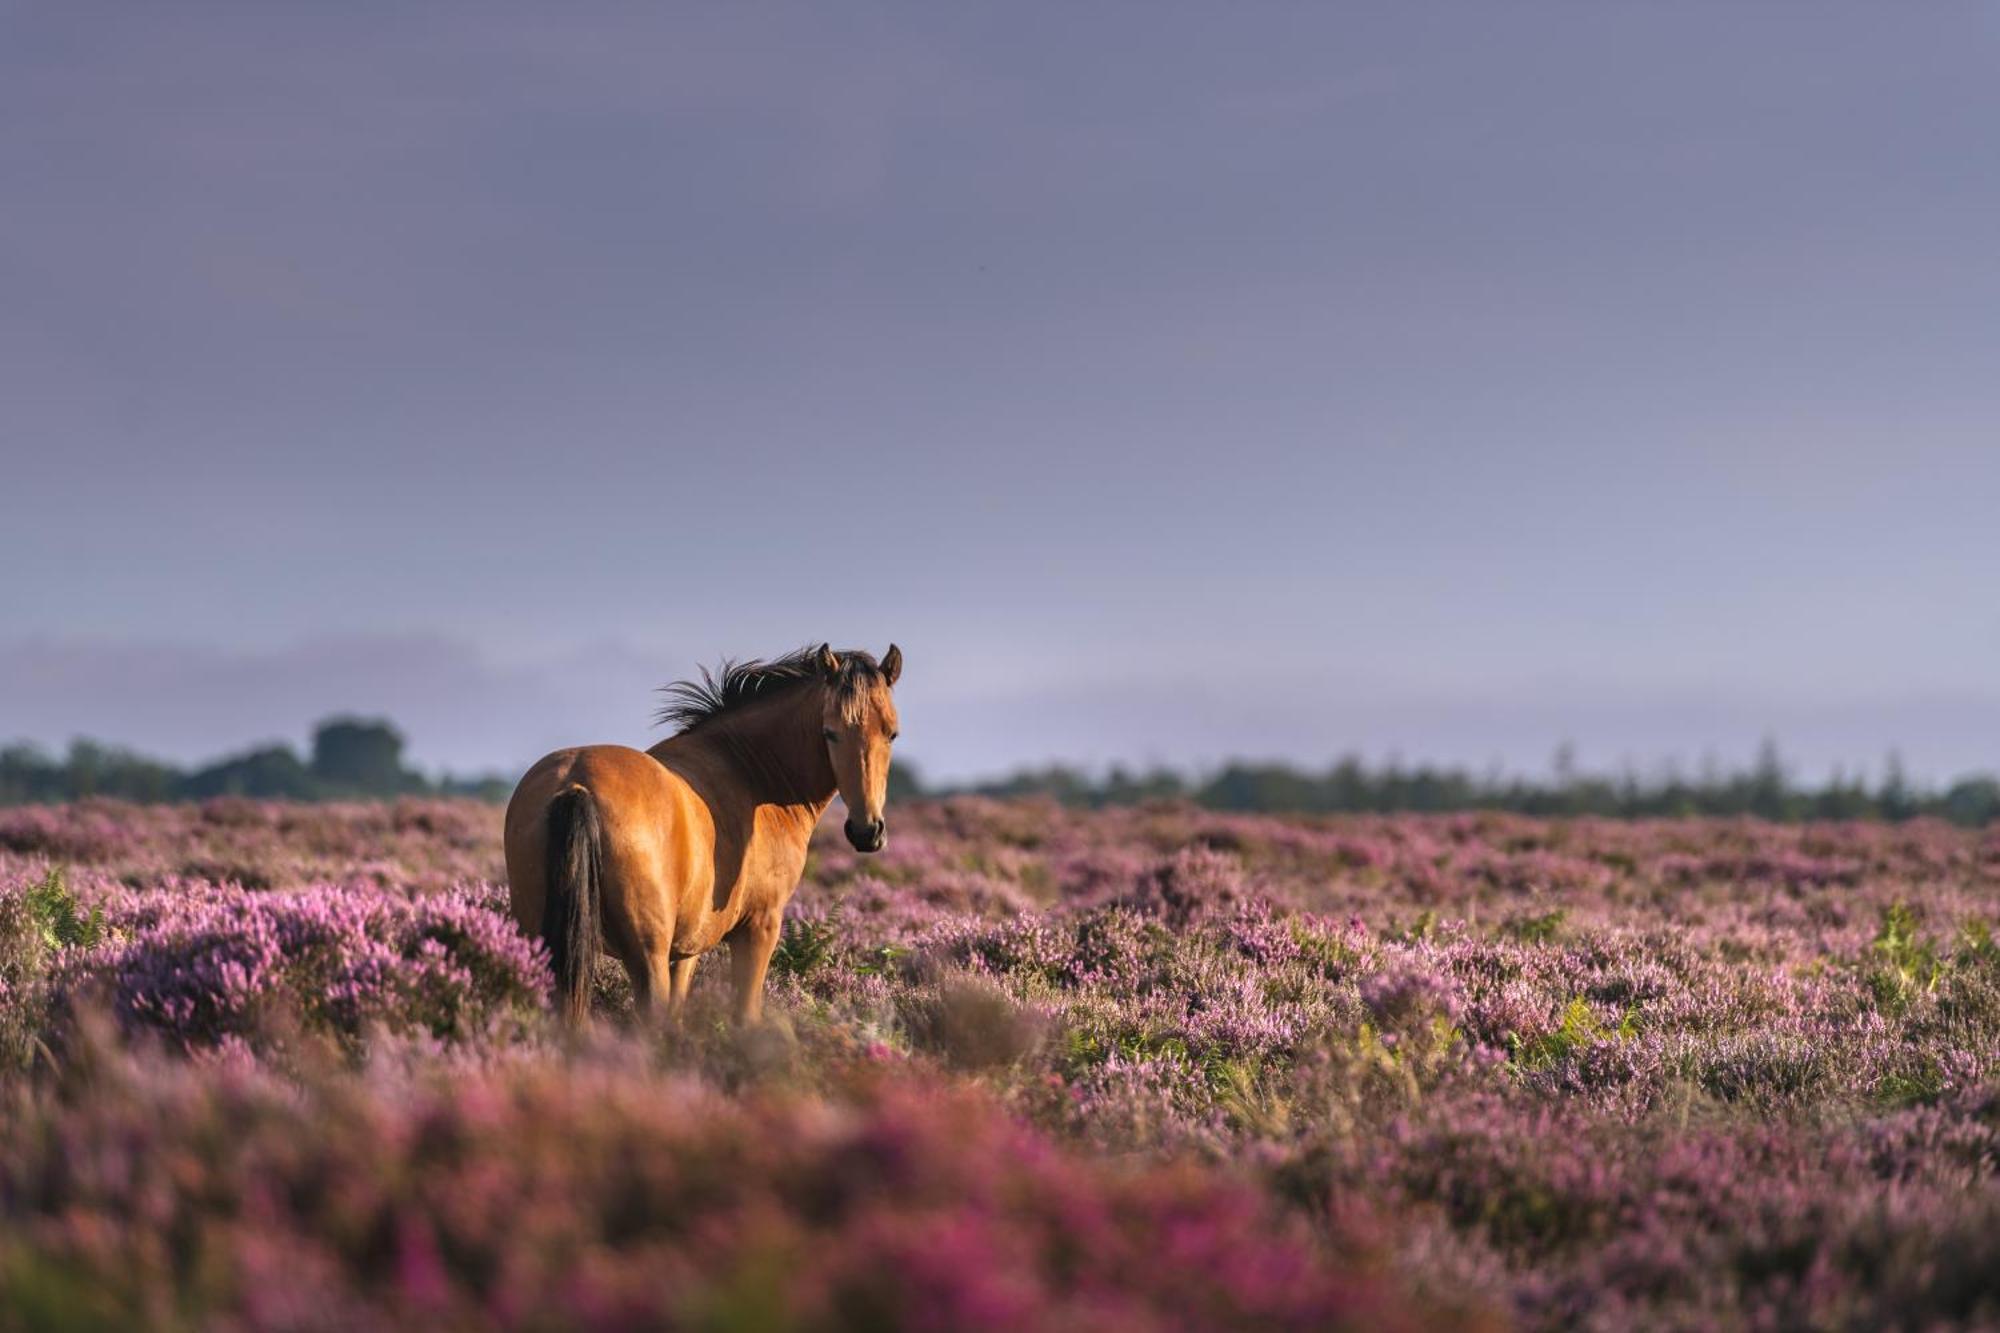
point(775, 752)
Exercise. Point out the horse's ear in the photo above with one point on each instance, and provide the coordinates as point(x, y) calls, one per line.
point(829, 665)
point(892, 663)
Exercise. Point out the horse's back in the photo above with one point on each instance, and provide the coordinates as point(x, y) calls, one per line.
point(653, 827)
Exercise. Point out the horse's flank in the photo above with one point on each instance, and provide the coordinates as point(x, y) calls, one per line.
point(701, 839)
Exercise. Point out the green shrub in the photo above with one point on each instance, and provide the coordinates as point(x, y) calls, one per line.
point(36, 922)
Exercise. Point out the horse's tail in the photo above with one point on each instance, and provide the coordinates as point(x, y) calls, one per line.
point(572, 898)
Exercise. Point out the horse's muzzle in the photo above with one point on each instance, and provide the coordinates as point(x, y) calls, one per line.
point(866, 837)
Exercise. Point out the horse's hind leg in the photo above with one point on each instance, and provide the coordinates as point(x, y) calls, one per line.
point(644, 947)
point(683, 971)
point(653, 972)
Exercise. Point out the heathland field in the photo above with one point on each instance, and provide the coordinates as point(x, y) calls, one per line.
point(290, 1066)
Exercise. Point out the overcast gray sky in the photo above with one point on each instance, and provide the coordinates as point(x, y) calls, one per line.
point(1171, 381)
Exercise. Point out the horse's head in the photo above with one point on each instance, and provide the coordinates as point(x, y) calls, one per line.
point(858, 725)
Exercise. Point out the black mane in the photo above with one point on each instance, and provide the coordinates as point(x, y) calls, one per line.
point(689, 703)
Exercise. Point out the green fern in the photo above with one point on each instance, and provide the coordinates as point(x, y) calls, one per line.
point(804, 946)
point(1578, 1028)
point(1909, 963)
point(53, 909)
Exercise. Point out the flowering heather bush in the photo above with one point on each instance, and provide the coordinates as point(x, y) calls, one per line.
point(1675, 1074)
point(407, 844)
point(232, 964)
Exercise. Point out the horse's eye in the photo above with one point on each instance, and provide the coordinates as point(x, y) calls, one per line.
point(894, 734)
point(830, 737)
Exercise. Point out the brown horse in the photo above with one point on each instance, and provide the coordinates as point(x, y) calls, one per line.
point(657, 857)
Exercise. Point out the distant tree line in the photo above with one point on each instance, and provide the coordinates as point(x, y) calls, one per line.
point(1350, 785)
point(361, 758)
point(352, 758)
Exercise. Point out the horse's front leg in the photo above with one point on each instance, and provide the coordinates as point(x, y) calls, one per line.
point(750, 947)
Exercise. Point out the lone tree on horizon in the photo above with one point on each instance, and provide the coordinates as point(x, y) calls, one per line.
point(361, 753)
